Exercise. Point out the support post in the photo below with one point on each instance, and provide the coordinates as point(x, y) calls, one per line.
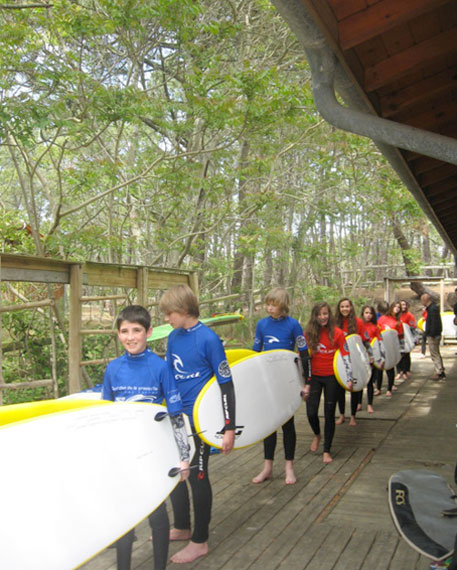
point(74, 338)
point(142, 286)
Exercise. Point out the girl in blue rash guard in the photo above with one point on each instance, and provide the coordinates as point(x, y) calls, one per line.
point(195, 353)
point(278, 330)
point(141, 376)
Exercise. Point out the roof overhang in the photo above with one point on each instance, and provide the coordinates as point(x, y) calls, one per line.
point(394, 63)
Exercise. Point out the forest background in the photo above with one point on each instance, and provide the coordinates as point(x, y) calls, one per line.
point(183, 134)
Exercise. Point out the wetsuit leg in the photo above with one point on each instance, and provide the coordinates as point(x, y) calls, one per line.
point(269, 446)
point(390, 379)
point(312, 404)
point(202, 496)
point(355, 399)
point(290, 439)
point(370, 389)
point(331, 388)
point(160, 526)
point(124, 550)
point(181, 506)
point(379, 375)
point(341, 399)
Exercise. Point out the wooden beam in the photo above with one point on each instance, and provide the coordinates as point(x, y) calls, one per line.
point(446, 171)
point(410, 60)
point(74, 337)
point(379, 18)
point(25, 306)
point(142, 286)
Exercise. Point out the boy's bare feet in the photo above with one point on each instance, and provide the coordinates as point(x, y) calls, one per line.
point(266, 472)
point(370, 409)
point(315, 443)
point(191, 552)
point(327, 458)
point(290, 474)
point(340, 420)
point(352, 421)
point(179, 534)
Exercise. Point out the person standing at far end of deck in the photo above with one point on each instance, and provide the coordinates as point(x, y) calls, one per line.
point(276, 331)
point(195, 353)
point(433, 331)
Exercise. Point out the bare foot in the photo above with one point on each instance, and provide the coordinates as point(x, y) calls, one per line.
point(179, 534)
point(394, 388)
point(315, 443)
point(340, 420)
point(388, 394)
point(290, 475)
point(352, 421)
point(264, 475)
point(191, 552)
point(370, 409)
point(377, 392)
point(359, 407)
point(327, 458)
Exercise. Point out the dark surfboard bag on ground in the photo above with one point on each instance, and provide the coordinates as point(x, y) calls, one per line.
point(422, 505)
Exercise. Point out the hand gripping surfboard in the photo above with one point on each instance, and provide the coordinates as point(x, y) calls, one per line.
point(360, 363)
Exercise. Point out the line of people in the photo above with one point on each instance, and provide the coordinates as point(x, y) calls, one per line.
point(195, 354)
point(324, 334)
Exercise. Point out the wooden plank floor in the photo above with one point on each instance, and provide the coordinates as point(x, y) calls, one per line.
point(336, 516)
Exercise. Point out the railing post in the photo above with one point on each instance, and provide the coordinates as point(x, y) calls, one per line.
point(74, 337)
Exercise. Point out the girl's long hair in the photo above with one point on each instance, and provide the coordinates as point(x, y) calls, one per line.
point(391, 310)
point(374, 318)
point(352, 323)
point(313, 328)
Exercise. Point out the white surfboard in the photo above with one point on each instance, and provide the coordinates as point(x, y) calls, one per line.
point(378, 358)
point(391, 348)
point(268, 388)
point(449, 329)
point(408, 337)
point(447, 320)
point(360, 364)
point(79, 479)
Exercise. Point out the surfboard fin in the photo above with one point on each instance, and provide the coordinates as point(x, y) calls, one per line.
point(177, 470)
point(160, 416)
point(449, 512)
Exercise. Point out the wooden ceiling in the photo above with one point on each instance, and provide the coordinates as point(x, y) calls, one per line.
point(402, 55)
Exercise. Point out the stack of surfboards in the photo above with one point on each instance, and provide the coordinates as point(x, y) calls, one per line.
point(76, 475)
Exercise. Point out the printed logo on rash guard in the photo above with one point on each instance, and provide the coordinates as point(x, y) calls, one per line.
point(301, 342)
point(224, 369)
point(178, 364)
point(182, 374)
point(270, 339)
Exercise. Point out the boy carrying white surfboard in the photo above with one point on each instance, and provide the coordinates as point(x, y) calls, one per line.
point(140, 375)
point(195, 354)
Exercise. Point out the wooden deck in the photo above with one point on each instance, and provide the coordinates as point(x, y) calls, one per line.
point(336, 516)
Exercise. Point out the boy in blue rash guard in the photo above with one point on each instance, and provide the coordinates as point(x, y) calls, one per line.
point(141, 376)
point(278, 330)
point(195, 353)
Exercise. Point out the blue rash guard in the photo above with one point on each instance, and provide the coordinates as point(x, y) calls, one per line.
point(143, 377)
point(195, 355)
point(285, 332)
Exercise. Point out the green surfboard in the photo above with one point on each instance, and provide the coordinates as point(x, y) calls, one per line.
point(162, 331)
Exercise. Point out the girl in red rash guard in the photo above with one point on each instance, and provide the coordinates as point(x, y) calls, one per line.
point(406, 317)
point(346, 320)
point(323, 339)
point(390, 319)
point(371, 331)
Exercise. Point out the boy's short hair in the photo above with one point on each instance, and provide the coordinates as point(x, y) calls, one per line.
point(382, 307)
point(279, 297)
point(180, 299)
point(134, 314)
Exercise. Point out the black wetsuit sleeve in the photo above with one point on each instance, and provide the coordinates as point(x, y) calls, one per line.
point(306, 364)
point(228, 404)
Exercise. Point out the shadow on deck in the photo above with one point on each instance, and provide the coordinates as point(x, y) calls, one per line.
point(335, 516)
